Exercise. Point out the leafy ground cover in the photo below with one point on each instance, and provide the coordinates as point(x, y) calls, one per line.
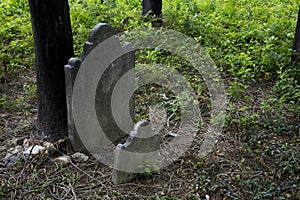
point(258, 155)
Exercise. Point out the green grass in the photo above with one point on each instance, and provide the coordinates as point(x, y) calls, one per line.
point(251, 43)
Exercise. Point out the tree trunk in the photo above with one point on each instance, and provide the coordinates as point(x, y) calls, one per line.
point(155, 6)
point(53, 47)
point(296, 48)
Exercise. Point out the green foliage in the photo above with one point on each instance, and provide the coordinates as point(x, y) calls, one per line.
point(250, 42)
point(19, 102)
point(16, 37)
point(243, 37)
point(121, 15)
point(246, 40)
point(149, 167)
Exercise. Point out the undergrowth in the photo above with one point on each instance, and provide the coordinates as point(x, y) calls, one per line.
point(250, 42)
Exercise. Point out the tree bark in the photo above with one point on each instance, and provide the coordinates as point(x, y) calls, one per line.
point(296, 48)
point(53, 47)
point(154, 8)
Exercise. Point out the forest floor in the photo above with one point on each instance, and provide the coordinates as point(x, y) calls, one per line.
point(258, 162)
point(256, 157)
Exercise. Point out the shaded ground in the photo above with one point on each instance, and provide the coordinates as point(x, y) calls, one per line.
point(257, 157)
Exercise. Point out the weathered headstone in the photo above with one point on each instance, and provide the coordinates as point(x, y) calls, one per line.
point(138, 153)
point(105, 88)
point(113, 105)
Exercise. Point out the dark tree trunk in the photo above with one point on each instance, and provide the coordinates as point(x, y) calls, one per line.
point(153, 7)
point(296, 48)
point(53, 47)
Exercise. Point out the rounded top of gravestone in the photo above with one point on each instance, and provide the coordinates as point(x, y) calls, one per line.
point(101, 32)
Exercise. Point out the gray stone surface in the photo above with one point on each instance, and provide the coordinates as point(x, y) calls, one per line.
point(104, 89)
point(139, 151)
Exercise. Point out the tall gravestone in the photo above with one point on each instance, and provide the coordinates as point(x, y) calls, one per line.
point(104, 90)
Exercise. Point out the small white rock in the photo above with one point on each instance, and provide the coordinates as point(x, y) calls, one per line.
point(207, 197)
point(62, 160)
point(11, 158)
point(79, 157)
point(13, 155)
point(49, 146)
point(33, 150)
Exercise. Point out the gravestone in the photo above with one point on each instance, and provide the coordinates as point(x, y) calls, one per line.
point(113, 98)
point(139, 154)
point(105, 87)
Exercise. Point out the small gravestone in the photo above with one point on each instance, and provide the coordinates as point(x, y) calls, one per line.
point(139, 154)
point(104, 90)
